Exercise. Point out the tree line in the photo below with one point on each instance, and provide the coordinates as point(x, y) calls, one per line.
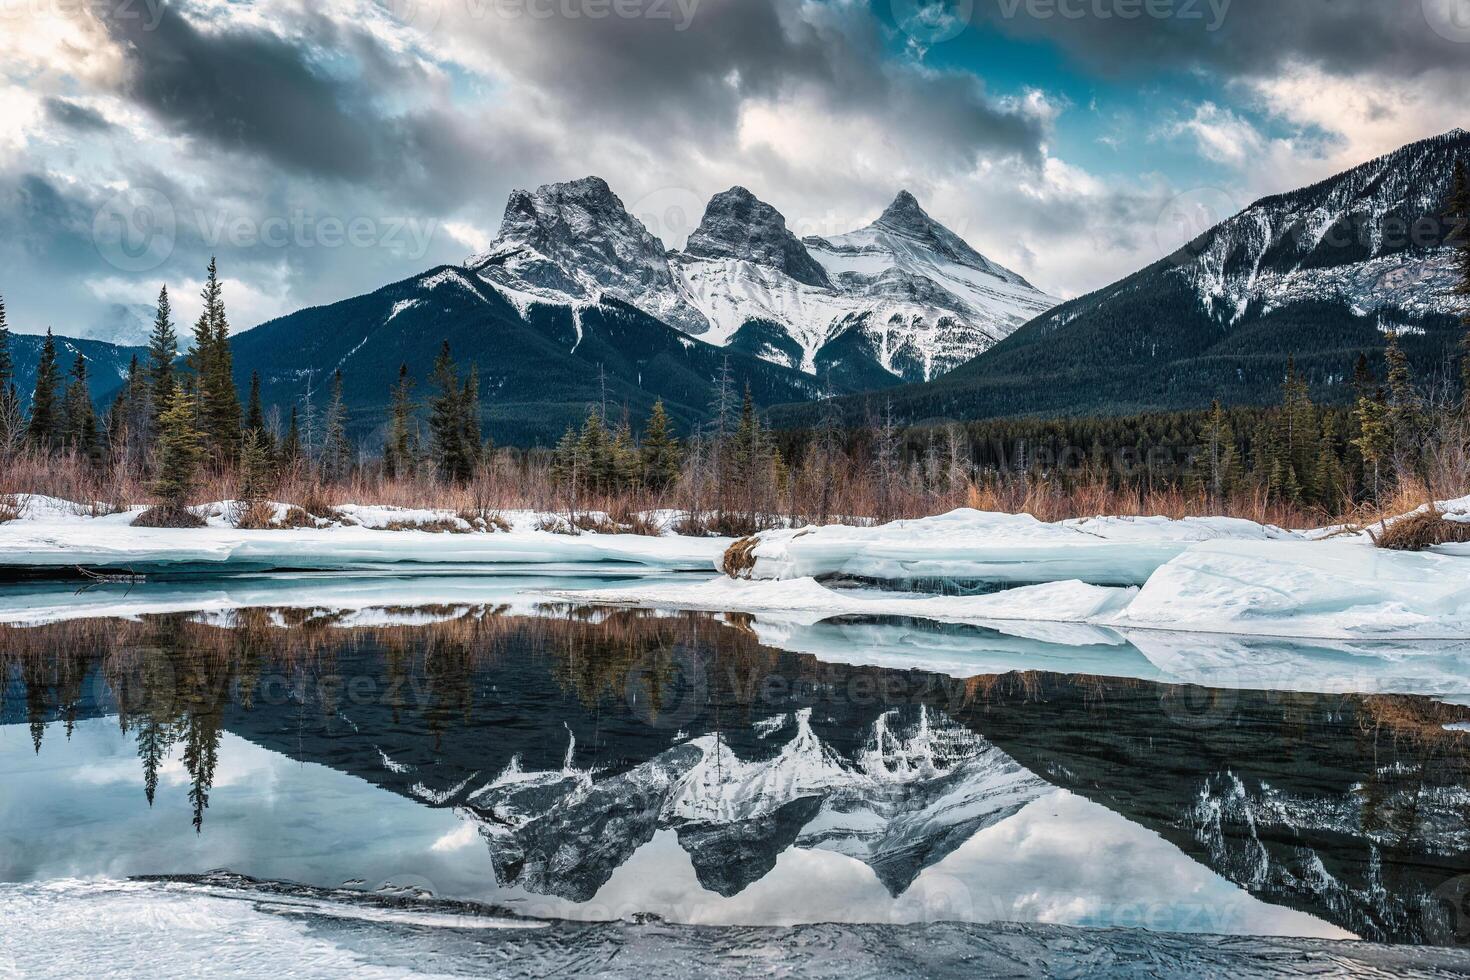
point(178, 415)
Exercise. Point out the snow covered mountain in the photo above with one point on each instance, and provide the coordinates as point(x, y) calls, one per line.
point(903, 299)
point(1318, 275)
point(917, 790)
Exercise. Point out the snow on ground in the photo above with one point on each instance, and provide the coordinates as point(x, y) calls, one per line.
point(1005, 548)
point(1210, 575)
point(1309, 589)
point(54, 533)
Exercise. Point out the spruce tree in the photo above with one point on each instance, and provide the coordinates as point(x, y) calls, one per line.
point(401, 449)
point(1221, 463)
point(290, 452)
point(10, 415)
point(45, 427)
point(7, 366)
point(336, 459)
point(219, 402)
point(661, 456)
point(594, 451)
point(469, 413)
point(1405, 416)
point(128, 420)
point(566, 470)
point(255, 417)
point(255, 468)
point(179, 452)
point(1374, 440)
point(163, 350)
point(80, 419)
point(447, 420)
point(625, 463)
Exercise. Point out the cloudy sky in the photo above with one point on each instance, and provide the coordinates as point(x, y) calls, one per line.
point(323, 148)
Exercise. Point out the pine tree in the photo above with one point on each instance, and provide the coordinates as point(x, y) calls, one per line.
point(625, 463)
point(449, 423)
point(336, 459)
point(1221, 461)
point(290, 453)
point(660, 452)
point(401, 450)
point(7, 366)
point(163, 350)
point(80, 419)
point(219, 402)
point(179, 452)
point(594, 452)
point(45, 429)
point(255, 467)
point(255, 418)
point(566, 470)
point(469, 412)
point(11, 428)
point(1405, 417)
point(1374, 441)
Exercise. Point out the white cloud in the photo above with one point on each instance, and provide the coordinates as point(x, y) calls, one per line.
point(1221, 135)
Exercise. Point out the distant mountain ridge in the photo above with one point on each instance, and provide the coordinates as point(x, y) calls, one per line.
point(903, 299)
point(107, 364)
point(1318, 275)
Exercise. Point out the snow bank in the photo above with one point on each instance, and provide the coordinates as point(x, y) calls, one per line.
point(1290, 589)
point(1306, 589)
point(52, 534)
point(1003, 548)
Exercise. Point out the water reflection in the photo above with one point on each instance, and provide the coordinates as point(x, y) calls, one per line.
point(572, 746)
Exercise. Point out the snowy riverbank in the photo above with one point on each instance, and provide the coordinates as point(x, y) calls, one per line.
point(53, 533)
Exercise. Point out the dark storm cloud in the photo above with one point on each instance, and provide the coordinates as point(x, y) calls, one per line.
point(1234, 36)
point(249, 91)
point(649, 79)
point(244, 89)
point(46, 221)
point(76, 116)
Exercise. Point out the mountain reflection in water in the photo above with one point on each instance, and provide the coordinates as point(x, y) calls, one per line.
point(570, 738)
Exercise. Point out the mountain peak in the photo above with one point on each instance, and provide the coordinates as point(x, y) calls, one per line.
point(738, 225)
point(906, 216)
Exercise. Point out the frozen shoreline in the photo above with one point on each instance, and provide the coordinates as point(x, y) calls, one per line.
point(308, 932)
point(54, 534)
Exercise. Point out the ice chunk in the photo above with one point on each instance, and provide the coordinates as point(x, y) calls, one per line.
point(1002, 548)
point(1309, 589)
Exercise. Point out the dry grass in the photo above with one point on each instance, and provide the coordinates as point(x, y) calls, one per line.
point(9, 508)
point(257, 516)
point(739, 558)
point(693, 525)
point(443, 525)
point(168, 517)
point(1420, 532)
point(295, 517)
